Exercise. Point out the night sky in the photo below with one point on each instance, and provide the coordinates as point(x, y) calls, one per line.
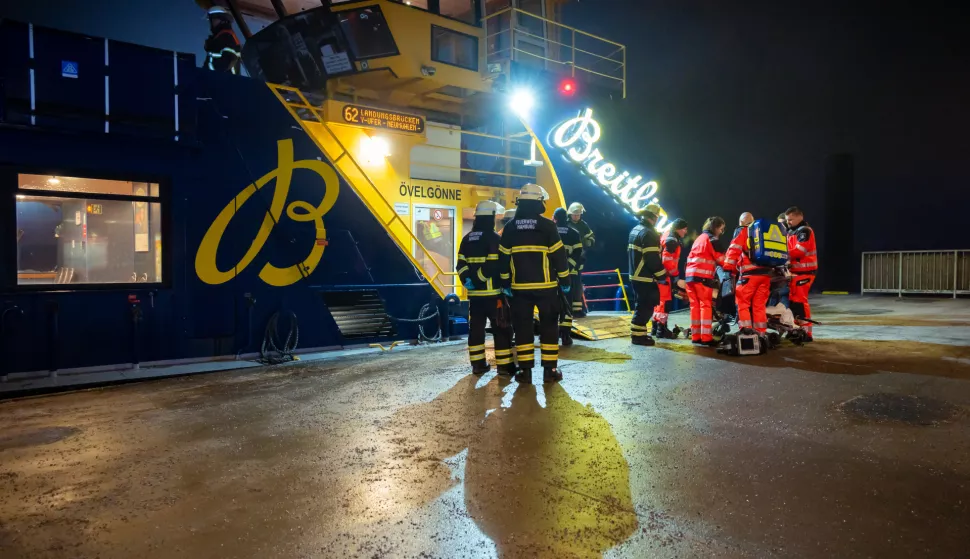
point(735, 108)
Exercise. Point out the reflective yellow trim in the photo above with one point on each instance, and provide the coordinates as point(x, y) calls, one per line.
point(503, 276)
point(503, 361)
point(461, 256)
point(483, 292)
point(475, 260)
point(493, 256)
point(476, 347)
point(634, 248)
point(503, 352)
point(504, 250)
point(549, 347)
point(481, 276)
point(528, 248)
point(462, 270)
point(660, 274)
point(545, 269)
point(641, 279)
point(527, 286)
point(556, 247)
point(524, 348)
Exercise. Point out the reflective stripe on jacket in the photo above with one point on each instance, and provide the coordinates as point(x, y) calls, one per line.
point(738, 256)
point(702, 259)
point(802, 254)
point(478, 259)
point(644, 253)
point(531, 254)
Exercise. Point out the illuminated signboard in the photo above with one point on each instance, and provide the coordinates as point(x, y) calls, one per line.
point(577, 137)
point(379, 118)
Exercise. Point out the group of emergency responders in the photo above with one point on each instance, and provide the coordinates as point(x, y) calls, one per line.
point(536, 264)
point(655, 273)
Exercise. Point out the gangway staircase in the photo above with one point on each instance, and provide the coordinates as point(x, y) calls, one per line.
point(604, 325)
point(312, 121)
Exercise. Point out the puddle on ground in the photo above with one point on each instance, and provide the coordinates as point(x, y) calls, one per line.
point(37, 437)
point(586, 353)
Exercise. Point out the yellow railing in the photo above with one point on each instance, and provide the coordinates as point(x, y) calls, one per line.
point(514, 34)
point(512, 161)
point(303, 104)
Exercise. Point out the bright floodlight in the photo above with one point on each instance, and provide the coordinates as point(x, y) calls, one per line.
point(522, 102)
point(374, 150)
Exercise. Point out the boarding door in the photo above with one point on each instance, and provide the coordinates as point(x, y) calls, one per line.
point(434, 226)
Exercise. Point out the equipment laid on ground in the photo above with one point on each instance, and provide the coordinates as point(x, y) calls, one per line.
point(745, 342)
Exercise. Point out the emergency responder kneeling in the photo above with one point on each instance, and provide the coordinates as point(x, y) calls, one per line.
point(670, 244)
point(533, 265)
point(576, 258)
point(754, 281)
point(576, 222)
point(478, 271)
point(701, 265)
point(803, 263)
point(646, 269)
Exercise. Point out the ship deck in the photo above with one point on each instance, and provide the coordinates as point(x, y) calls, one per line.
point(856, 445)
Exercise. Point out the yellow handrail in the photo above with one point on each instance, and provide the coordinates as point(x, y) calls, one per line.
point(619, 276)
point(437, 284)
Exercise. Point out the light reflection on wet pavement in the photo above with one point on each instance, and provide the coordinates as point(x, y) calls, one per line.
point(641, 452)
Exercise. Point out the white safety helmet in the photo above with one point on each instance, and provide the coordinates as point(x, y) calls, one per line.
point(216, 11)
point(488, 207)
point(576, 209)
point(533, 192)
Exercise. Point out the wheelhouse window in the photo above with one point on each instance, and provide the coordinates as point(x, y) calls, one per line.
point(454, 48)
point(462, 10)
point(368, 33)
point(78, 231)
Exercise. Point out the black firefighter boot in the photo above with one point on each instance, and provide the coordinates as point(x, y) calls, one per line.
point(643, 340)
point(524, 376)
point(653, 328)
point(551, 374)
point(567, 336)
point(506, 370)
point(480, 368)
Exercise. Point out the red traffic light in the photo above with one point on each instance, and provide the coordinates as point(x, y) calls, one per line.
point(567, 87)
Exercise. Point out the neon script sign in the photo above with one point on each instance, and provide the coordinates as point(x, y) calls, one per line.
point(578, 137)
point(298, 211)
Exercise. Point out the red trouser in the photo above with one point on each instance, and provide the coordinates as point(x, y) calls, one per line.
point(701, 311)
point(660, 311)
point(798, 298)
point(751, 297)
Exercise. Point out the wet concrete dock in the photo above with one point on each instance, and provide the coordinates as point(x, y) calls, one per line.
point(855, 446)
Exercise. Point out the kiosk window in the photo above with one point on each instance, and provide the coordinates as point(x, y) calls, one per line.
point(367, 32)
point(454, 48)
point(87, 231)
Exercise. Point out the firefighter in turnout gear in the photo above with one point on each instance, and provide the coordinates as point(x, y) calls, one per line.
point(574, 256)
point(803, 263)
point(701, 281)
point(222, 47)
point(670, 245)
point(646, 269)
point(754, 281)
point(576, 211)
point(478, 272)
point(533, 266)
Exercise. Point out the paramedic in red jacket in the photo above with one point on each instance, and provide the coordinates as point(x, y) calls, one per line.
point(802, 263)
point(670, 244)
point(700, 278)
point(754, 281)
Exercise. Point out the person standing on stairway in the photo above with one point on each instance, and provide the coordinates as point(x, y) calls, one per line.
point(222, 48)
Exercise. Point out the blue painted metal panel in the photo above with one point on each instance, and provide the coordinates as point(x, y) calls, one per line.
point(240, 125)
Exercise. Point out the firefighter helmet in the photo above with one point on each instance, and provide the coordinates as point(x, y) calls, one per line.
point(218, 11)
point(489, 207)
point(576, 208)
point(652, 210)
point(533, 192)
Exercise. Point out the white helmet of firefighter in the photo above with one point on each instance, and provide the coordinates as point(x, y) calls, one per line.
point(533, 192)
point(576, 209)
point(488, 207)
point(218, 11)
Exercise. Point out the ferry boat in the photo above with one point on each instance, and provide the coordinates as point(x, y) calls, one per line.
point(156, 212)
